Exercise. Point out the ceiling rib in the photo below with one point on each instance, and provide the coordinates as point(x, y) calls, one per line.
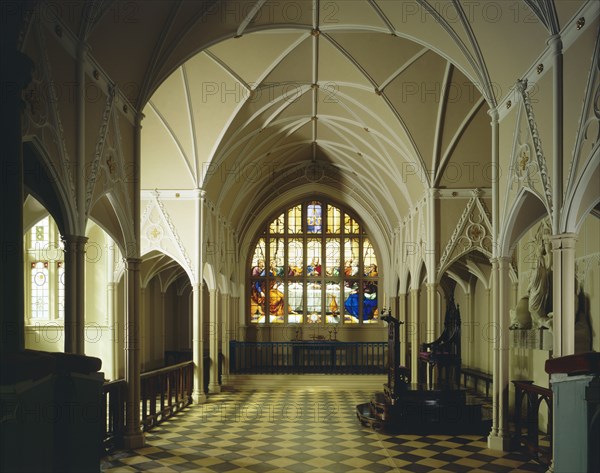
point(402, 68)
point(217, 60)
point(190, 110)
point(455, 138)
point(174, 138)
point(435, 158)
point(382, 16)
point(486, 81)
point(246, 21)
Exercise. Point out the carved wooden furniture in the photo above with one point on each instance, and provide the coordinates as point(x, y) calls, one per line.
point(444, 352)
point(418, 408)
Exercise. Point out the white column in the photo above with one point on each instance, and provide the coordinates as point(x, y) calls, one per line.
point(74, 293)
point(215, 308)
point(563, 293)
point(414, 336)
point(555, 44)
point(501, 440)
point(111, 370)
point(198, 343)
point(432, 329)
point(227, 336)
point(134, 438)
point(469, 315)
point(144, 330)
point(163, 334)
point(495, 348)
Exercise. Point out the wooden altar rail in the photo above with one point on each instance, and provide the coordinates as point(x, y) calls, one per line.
point(530, 441)
point(163, 393)
point(114, 396)
point(476, 376)
point(308, 357)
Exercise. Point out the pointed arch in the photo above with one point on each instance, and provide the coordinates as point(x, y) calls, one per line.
point(526, 211)
point(583, 197)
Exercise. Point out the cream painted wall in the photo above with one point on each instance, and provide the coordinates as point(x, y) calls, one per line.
point(587, 263)
point(99, 333)
point(477, 331)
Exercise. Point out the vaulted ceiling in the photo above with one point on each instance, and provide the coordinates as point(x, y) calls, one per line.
point(375, 99)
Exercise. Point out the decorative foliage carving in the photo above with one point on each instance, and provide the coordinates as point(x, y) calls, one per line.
point(104, 125)
point(472, 232)
point(159, 230)
point(537, 143)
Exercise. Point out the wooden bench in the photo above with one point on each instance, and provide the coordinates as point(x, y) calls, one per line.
point(476, 376)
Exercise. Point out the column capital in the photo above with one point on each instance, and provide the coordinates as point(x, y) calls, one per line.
point(132, 264)
point(198, 286)
point(563, 241)
point(74, 239)
point(504, 261)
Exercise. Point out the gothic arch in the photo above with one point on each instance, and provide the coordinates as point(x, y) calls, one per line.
point(525, 212)
point(42, 183)
point(584, 196)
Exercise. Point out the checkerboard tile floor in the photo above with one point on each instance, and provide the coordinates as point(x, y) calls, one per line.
point(301, 431)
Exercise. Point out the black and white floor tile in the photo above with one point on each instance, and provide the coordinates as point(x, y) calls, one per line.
point(301, 431)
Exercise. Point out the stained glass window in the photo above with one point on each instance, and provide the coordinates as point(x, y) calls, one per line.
point(46, 286)
point(40, 292)
point(313, 264)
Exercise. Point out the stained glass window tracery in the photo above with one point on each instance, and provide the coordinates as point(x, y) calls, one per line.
point(313, 263)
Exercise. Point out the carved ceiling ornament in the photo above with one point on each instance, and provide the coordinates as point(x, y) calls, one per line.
point(472, 232)
point(41, 115)
point(159, 232)
point(540, 159)
point(99, 152)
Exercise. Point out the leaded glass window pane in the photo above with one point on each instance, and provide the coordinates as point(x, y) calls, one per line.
point(351, 257)
point(313, 218)
point(40, 295)
point(295, 219)
point(61, 290)
point(370, 311)
point(350, 225)
point(295, 257)
point(258, 259)
point(276, 252)
point(314, 302)
point(334, 220)
point(332, 302)
point(313, 257)
point(295, 302)
point(351, 302)
point(276, 301)
point(332, 256)
point(277, 225)
point(369, 259)
point(257, 301)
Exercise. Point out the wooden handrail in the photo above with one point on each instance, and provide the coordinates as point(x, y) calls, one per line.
point(113, 411)
point(309, 356)
point(166, 369)
point(164, 392)
point(534, 395)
